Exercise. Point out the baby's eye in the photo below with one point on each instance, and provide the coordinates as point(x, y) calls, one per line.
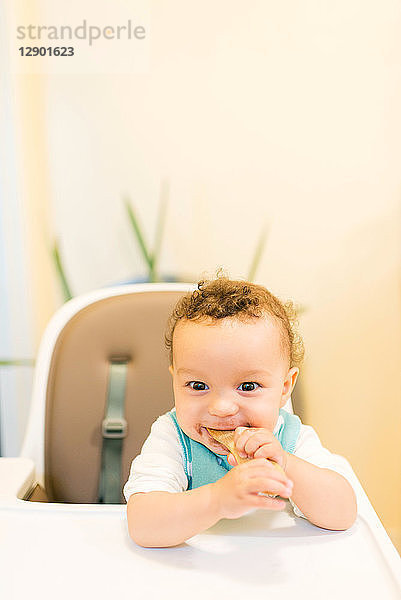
point(248, 386)
point(198, 386)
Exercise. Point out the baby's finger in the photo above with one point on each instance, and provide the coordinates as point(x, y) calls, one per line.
point(260, 467)
point(278, 489)
point(269, 486)
point(241, 437)
point(260, 501)
point(267, 503)
point(272, 452)
point(231, 460)
point(268, 450)
point(257, 440)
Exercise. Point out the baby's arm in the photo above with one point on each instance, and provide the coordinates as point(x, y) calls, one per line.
point(324, 496)
point(160, 519)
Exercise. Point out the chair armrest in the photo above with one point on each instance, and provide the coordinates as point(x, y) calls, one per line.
point(367, 513)
point(17, 477)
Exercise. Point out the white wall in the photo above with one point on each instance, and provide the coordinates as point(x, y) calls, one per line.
point(283, 112)
point(16, 313)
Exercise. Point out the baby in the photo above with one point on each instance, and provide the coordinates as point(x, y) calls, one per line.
point(234, 360)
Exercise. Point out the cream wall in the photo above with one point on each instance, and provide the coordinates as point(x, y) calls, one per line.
point(27, 95)
point(285, 113)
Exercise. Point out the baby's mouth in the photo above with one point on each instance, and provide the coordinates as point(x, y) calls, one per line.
point(213, 444)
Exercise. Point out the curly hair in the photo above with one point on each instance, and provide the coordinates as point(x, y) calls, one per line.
point(223, 297)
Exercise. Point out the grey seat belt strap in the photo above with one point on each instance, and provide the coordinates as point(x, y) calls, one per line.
point(114, 430)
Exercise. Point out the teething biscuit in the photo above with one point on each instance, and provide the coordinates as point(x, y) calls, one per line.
point(226, 438)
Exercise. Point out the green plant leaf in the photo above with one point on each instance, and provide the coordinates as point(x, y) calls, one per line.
point(60, 272)
point(138, 234)
point(17, 362)
point(258, 254)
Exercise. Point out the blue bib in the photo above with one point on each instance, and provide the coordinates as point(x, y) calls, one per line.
point(202, 466)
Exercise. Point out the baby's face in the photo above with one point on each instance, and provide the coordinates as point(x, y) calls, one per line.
point(228, 374)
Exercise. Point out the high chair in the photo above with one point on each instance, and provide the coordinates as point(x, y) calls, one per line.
point(102, 348)
point(101, 379)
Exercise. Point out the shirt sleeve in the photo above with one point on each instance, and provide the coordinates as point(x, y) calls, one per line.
point(310, 448)
point(159, 466)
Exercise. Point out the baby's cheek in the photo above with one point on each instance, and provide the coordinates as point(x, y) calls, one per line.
point(183, 422)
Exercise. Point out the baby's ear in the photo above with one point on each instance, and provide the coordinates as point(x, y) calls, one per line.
point(289, 384)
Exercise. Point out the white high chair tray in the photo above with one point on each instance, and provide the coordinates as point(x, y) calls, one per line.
point(84, 551)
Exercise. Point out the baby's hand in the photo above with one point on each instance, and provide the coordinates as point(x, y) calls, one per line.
point(252, 442)
point(238, 491)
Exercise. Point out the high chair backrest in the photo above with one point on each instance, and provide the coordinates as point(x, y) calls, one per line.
point(64, 434)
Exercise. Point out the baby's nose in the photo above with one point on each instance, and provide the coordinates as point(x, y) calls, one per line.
point(221, 405)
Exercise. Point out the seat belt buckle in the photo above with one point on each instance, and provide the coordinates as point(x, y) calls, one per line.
point(114, 429)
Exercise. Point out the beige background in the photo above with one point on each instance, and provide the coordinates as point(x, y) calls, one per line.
point(285, 113)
